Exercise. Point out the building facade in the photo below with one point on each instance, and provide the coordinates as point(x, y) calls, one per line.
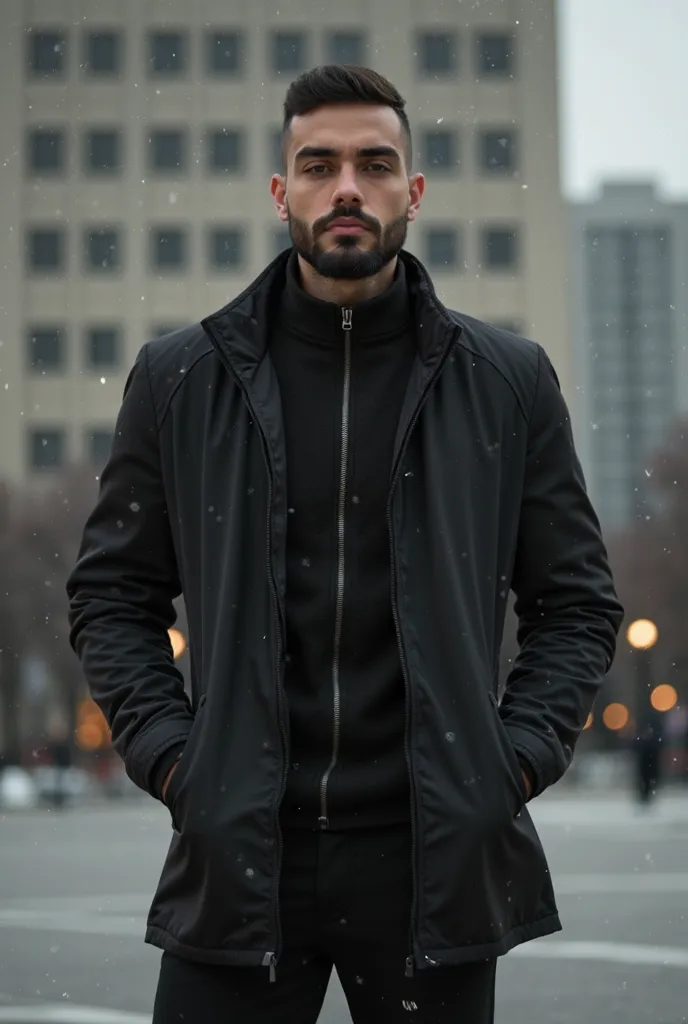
point(630, 272)
point(140, 139)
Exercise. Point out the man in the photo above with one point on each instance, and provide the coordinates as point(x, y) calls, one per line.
point(344, 479)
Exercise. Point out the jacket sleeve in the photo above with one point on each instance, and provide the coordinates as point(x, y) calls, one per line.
point(567, 609)
point(120, 597)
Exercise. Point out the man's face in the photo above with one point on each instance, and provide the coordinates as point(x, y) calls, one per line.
point(347, 195)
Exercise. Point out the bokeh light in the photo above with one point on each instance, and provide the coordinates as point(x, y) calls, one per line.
point(615, 716)
point(664, 697)
point(642, 634)
point(178, 641)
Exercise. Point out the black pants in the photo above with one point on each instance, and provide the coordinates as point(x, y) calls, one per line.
point(345, 900)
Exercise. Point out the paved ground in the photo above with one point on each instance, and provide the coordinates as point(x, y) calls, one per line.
point(74, 890)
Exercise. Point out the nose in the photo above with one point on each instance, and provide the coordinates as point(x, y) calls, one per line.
point(347, 191)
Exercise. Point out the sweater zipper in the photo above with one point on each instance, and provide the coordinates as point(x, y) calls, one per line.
point(410, 960)
point(323, 820)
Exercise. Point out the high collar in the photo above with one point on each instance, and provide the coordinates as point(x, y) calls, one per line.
point(382, 316)
point(241, 329)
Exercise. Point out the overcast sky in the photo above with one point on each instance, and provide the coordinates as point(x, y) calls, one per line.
point(624, 93)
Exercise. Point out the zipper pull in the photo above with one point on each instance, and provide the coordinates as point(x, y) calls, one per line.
point(270, 960)
point(347, 315)
point(409, 967)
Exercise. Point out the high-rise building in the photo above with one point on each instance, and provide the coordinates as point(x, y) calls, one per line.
point(139, 141)
point(630, 269)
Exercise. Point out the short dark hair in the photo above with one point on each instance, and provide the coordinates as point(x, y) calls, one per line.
point(343, 83)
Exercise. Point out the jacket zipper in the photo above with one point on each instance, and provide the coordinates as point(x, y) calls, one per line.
point(410, 960)
point(347, 314)
point(271, 956)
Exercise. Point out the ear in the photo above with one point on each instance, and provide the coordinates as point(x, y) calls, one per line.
point(278, 190)
point(416, 190)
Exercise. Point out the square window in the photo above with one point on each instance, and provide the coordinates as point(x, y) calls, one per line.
point(168, 53)
point(288, 51)
point(103, 348)
point(495, 53)
point(46, 447)
point(440, 150)
point(437, 53)
point(225, 53)
point(45, 350)
point(497, 151)
point(226, 150)
point(46, 249)
point(168, 149)
point(46, 151)
point(281, 239)
point(346, 47)
point(442, 248)
point(99, 445)
point(103, 151)
point(102, 250)
point(47, 53)
point(500, 248)
point(168, 248)
point(275, 156)
point(103, 53)
point(226, 248)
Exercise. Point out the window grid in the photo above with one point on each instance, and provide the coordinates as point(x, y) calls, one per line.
point(46, 54)
point(288, 51)
point(47, 448)
point(498, 152)
point(495, 54)
point(226, 248)
point(103, 53)
point(169, 248)
point(103, 347)
point(46, 151)
point(437, 54)
point(346, 47)
point(45, 350)
point(46, 250)
point(102, 151)
point(226, 149)
point(440, 150)
point(500, 248)
point(168, 53)
point(102, 250)
point(168, 150)
point(225, 52)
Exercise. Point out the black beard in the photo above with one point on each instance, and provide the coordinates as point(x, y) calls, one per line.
point(346, 262)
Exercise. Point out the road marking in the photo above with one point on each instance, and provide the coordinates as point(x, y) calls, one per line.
point(632, 884)
point(612, 952)
point(65, 1013)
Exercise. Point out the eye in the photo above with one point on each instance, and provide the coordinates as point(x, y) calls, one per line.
point(378, 168)
point(316, 169)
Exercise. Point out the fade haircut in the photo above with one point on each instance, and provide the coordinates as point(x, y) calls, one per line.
point(342, 83)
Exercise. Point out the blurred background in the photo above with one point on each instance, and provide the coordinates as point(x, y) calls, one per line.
point(138, 139)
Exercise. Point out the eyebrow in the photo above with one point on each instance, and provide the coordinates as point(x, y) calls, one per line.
point(307, 152)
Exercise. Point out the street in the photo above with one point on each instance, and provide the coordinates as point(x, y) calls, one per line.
point(75, 887)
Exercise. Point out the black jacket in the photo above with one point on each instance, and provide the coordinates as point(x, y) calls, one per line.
point(486, 494)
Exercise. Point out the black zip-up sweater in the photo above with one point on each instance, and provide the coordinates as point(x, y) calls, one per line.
point(343, 682)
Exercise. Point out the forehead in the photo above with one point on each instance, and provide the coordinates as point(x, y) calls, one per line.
point(346, 127)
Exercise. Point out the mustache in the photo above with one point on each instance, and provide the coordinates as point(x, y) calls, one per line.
point(323, 223)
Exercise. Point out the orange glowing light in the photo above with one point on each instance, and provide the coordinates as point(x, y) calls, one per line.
point(615, 716)
point(664, 697)
point(178, 641)
point(642, 634)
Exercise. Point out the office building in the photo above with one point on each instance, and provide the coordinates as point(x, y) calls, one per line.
point(139, 141)
point(630, 267)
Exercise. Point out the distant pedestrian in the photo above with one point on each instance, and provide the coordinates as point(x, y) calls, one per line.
point(648, 754)
point(345, 479)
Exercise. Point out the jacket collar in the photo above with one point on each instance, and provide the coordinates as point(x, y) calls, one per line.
point(242, 327)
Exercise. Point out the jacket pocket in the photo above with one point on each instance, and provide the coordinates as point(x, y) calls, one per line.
point(180, 775)
point(510, 754)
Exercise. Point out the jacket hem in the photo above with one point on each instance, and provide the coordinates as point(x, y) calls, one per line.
point(428, 958)
point(156, 936)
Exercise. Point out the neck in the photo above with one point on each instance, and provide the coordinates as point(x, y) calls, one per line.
point(344, 292)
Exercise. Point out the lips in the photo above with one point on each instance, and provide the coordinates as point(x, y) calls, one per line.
point(347, 226)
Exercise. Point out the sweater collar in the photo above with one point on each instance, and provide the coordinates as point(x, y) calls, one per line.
point(381, 316)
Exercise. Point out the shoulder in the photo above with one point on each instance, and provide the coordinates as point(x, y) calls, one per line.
point(516, 359)
point(171, 359)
